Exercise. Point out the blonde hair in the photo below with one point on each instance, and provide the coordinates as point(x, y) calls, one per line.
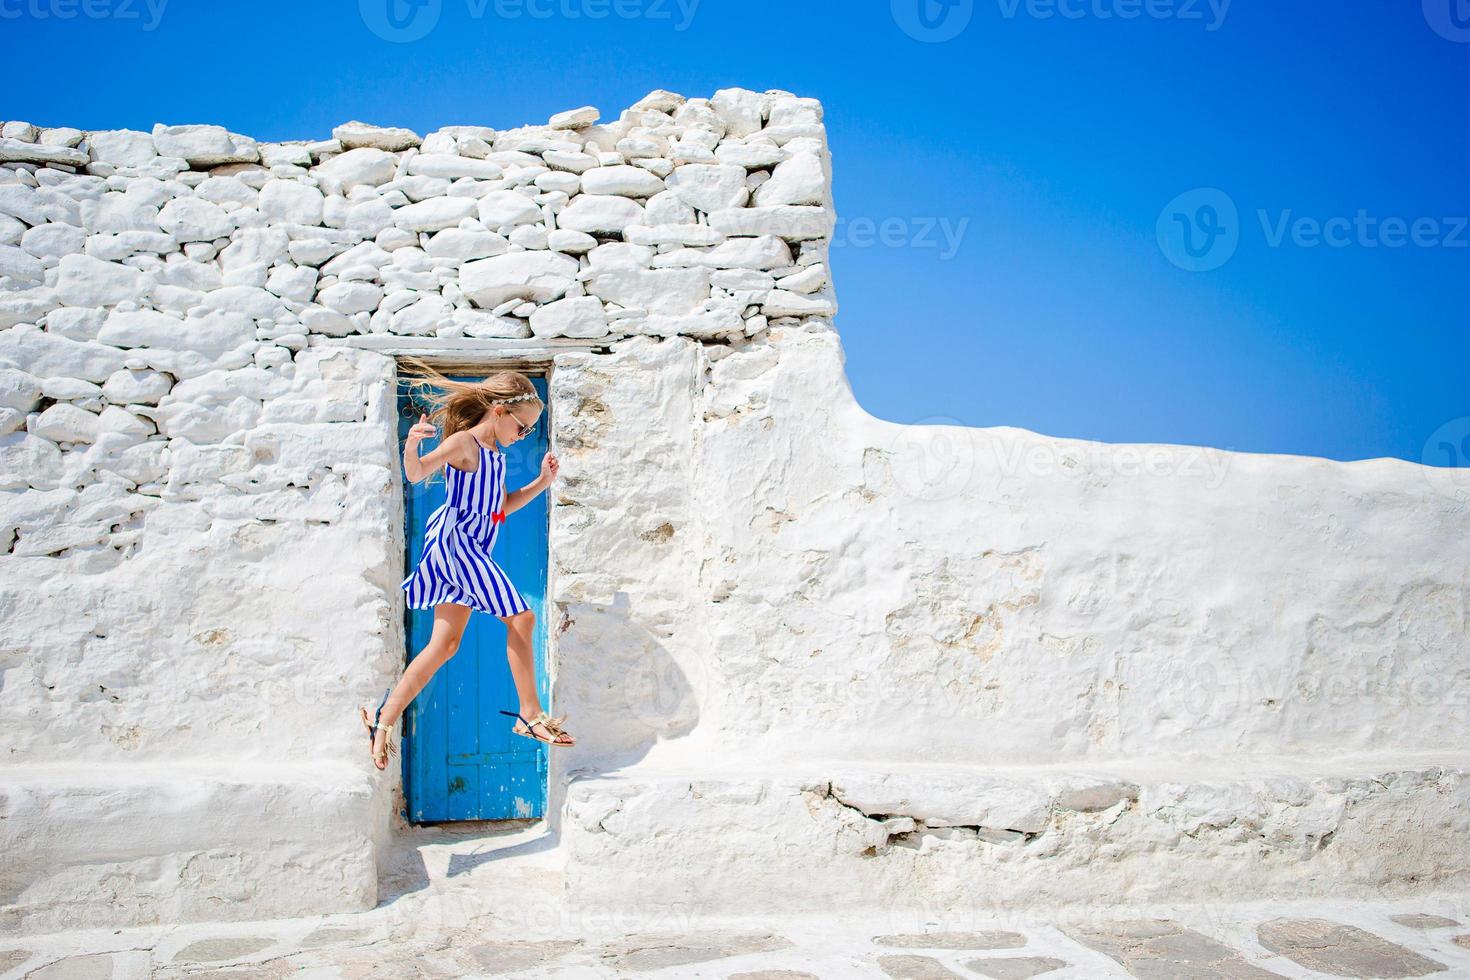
point(459, 405)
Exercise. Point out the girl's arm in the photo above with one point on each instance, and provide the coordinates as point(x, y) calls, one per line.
point(451, 450)
point(517, 499)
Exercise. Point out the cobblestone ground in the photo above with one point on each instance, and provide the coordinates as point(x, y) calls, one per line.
point(475, 902)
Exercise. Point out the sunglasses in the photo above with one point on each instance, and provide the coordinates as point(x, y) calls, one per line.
point(521, 428)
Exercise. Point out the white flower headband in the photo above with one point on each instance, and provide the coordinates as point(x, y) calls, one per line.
point(528, 396)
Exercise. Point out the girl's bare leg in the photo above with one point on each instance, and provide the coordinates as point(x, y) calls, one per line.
point(450, 620)
point(519, 630)
point(522, 657)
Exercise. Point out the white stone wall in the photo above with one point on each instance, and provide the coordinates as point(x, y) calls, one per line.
point(749, 573)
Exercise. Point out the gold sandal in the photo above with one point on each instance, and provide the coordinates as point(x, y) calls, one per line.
point(552, 725)
point(388, 747)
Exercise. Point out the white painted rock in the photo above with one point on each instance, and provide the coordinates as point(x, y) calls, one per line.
point(351, 297)
point(799, 180)
point(120, 420)
point(758, 154)
point(70, 390)
point(362, 167)
point(319, 319)
point(292, 282)
point(619, 255)
point(17, 129)
point(779, 302)
point(807, 281)
point(27, 460)
point(559, 180)
point(29, 204)
point(504, 209)
point(291, 202)
point(741, 110)
point(135, 387)
point(709, 187)
point(529, 236)
point(85, 281)
point(423, 318)
point(622, 180)
point(683, 234)
point(595, 214)
point(61, 136)
point(119, 213)
point(667, 292)
point(213, 333)
point(19, 151)
point(188, 219)
point(581, 316)
point(453, 167)
point(435, 214)
point(794, 223)
point(64, 422)
point(576, 118)
point(660, 100)
point(204, 146)
point(121, 147)
point(573, 161)
point(765, 252)
point(356, 134)
point(571, 242)
point(254, 248)
point(20, 265)
point(540, 276)
point(19, 390)
point(462, 244)
point(288, 154)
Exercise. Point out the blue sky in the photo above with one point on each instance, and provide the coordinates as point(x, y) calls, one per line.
point(1024, 161)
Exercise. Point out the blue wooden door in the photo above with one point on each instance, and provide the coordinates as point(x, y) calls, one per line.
point(460, 759)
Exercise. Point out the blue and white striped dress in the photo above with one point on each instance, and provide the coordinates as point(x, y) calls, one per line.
point(456, 565)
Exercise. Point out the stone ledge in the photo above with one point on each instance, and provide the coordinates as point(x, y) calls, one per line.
point(222, 843)
point(936, 837)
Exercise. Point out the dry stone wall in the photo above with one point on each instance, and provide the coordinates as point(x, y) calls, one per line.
point(752, 579)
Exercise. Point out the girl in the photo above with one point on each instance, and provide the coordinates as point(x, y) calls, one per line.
point(455, 574)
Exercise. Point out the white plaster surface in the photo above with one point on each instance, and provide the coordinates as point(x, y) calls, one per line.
point(931, 658)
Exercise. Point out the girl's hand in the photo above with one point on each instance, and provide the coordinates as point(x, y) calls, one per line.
point(549, 468)
point(422, 429)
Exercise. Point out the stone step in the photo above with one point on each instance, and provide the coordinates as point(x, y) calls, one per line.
point(943, 837)
point(223, 842)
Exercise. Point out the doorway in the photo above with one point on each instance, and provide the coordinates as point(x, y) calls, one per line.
point(460, 758)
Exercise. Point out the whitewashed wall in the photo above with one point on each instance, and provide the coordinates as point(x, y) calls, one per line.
point(767, 608)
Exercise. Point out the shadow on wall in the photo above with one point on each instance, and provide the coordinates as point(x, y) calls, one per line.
point(635, 697)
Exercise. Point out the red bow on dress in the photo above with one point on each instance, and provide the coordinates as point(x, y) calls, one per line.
point(498, 517)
